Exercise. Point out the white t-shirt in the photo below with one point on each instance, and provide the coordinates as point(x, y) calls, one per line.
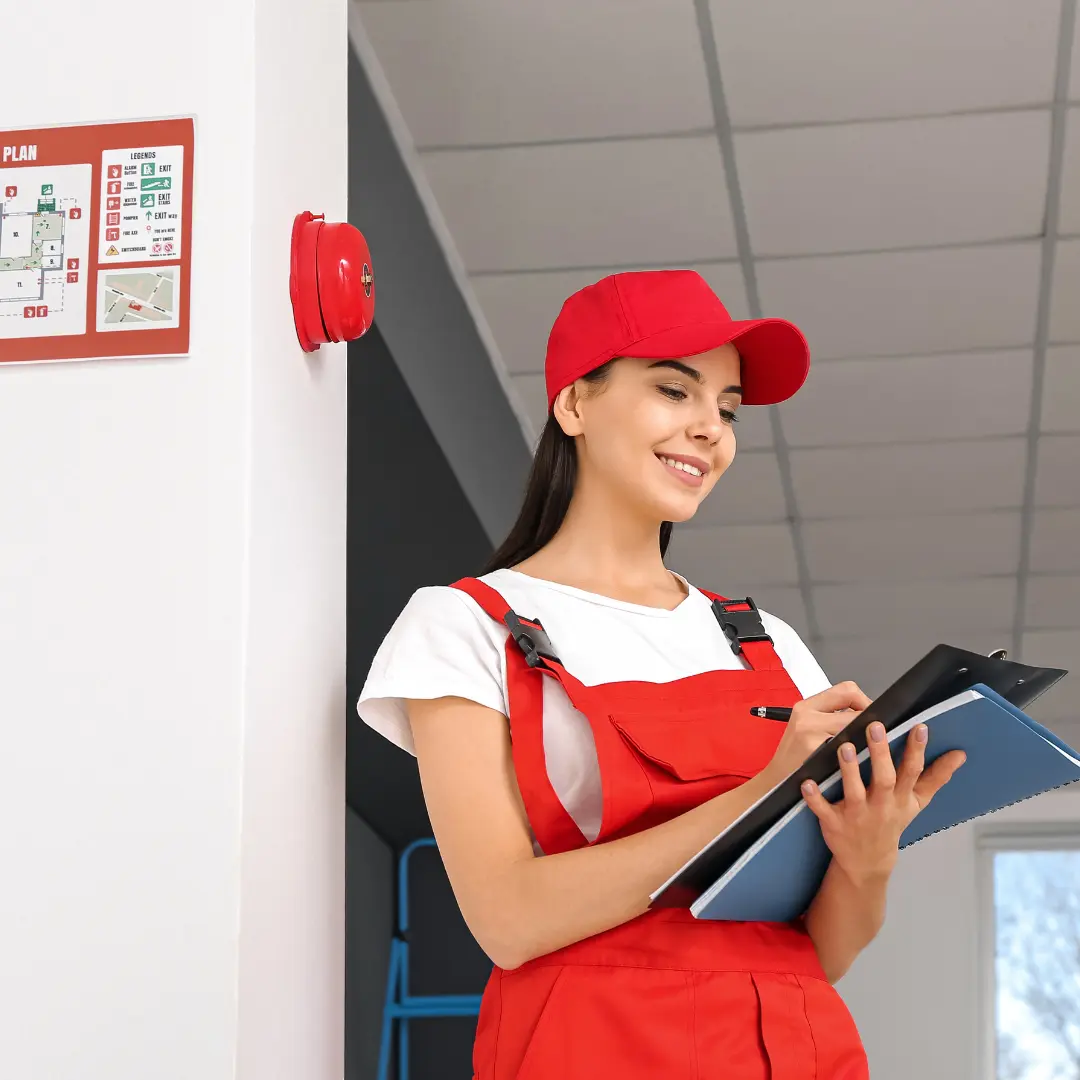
point(444, 644)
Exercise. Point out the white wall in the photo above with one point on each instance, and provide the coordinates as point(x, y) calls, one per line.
point(172, 571)
point(915, 993)
point(292, 987)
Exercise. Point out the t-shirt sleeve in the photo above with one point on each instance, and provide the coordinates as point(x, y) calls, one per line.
point(441, 645)
point(800, 662)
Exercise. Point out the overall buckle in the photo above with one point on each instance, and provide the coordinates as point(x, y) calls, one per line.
point(531, 638)
point(740, 626)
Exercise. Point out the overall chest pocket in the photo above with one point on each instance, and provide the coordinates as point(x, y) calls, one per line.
point(701, 744)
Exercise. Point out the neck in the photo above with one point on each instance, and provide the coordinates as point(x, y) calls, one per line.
point(606, 544)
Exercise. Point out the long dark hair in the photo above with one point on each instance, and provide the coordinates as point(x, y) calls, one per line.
point(548, 493)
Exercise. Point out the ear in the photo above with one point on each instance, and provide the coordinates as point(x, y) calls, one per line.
point(567, 410)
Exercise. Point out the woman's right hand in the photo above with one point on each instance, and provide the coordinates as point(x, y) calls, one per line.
point(813, 721)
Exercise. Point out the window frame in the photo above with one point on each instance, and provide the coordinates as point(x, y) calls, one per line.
point(1021, 836)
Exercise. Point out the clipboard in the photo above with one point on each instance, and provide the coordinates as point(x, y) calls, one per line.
point(942, 673)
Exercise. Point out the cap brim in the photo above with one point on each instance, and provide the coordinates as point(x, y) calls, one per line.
point(775, 355)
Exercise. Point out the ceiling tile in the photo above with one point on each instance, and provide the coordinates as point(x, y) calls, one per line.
point(1074, 70)
point(876, 662)
point(728, 283)
point(909, 399)
point(1052, 648)
point(1067, 728)
point(1056, 709)
point(485, 71)
point(748, 493)
point(1069, 221)
point(521, 308)
point(1064, 310)
point(872, 664)
point(1057, 471)
point(930, 609)
point(907, 548)
point(892, 184)
point(1061, 389)
point(1053, 602)
point(533, 395)
point(785, 61)
point(755, 428)
point(1055, 542)
point(912, 478)
point(709, 557)
point(908, 302)
point(585, 204)
point(1055, 648)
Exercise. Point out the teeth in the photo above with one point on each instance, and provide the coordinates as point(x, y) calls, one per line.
point(681, 466)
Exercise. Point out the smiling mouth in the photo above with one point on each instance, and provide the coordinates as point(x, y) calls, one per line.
point(688, 474)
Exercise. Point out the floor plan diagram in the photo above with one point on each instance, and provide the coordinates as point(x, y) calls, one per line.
point(44, 245)
point(30, 244)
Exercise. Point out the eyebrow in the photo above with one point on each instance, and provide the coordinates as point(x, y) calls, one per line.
point(692, 373)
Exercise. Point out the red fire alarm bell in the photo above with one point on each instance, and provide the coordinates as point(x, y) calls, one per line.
point(331, 282)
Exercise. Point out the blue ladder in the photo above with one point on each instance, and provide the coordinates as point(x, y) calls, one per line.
point(400, 1004)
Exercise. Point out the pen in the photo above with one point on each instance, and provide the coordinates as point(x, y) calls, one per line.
point(783, 715)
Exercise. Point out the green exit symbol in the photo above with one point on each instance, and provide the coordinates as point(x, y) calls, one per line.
point(147, 200)
point(156, 183)
point(147, 168)
point(46, 189)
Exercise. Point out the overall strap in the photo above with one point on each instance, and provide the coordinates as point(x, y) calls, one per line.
point(742, 626)
point(529, 654)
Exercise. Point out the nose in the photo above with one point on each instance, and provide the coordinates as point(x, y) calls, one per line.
point(708, 427)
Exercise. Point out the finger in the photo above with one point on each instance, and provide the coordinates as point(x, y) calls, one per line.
point(854, 788)
point(881, 762)
point(914, 760)
point(845, 695)
point(937, 776)
point(835, 722)
point(827, 723)
point(822, 809)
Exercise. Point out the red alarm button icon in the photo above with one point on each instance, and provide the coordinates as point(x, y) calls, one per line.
point(331, 282)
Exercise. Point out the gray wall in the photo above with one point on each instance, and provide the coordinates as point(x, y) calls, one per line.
point(369, 912)
point(426, 323)
point(410, 524)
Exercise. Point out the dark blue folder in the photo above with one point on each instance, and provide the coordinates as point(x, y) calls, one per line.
point(1010, 757)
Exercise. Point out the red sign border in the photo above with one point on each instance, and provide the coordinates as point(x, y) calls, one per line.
point(78, 144)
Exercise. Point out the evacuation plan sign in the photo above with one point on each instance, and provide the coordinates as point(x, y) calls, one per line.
point(95, 240)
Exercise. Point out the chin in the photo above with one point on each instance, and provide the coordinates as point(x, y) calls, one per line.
point(679, 514)
point(677, 510)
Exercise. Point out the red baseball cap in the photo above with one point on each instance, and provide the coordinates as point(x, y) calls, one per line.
point(669, 315)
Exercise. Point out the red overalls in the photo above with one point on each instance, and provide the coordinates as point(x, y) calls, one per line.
point(665, 995)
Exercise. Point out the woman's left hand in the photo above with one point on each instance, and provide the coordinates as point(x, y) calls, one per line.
point(863, 828)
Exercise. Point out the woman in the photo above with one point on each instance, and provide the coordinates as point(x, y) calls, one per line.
point(569, 774)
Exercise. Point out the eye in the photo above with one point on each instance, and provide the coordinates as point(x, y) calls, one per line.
point(728, 416)
point(676, 393)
